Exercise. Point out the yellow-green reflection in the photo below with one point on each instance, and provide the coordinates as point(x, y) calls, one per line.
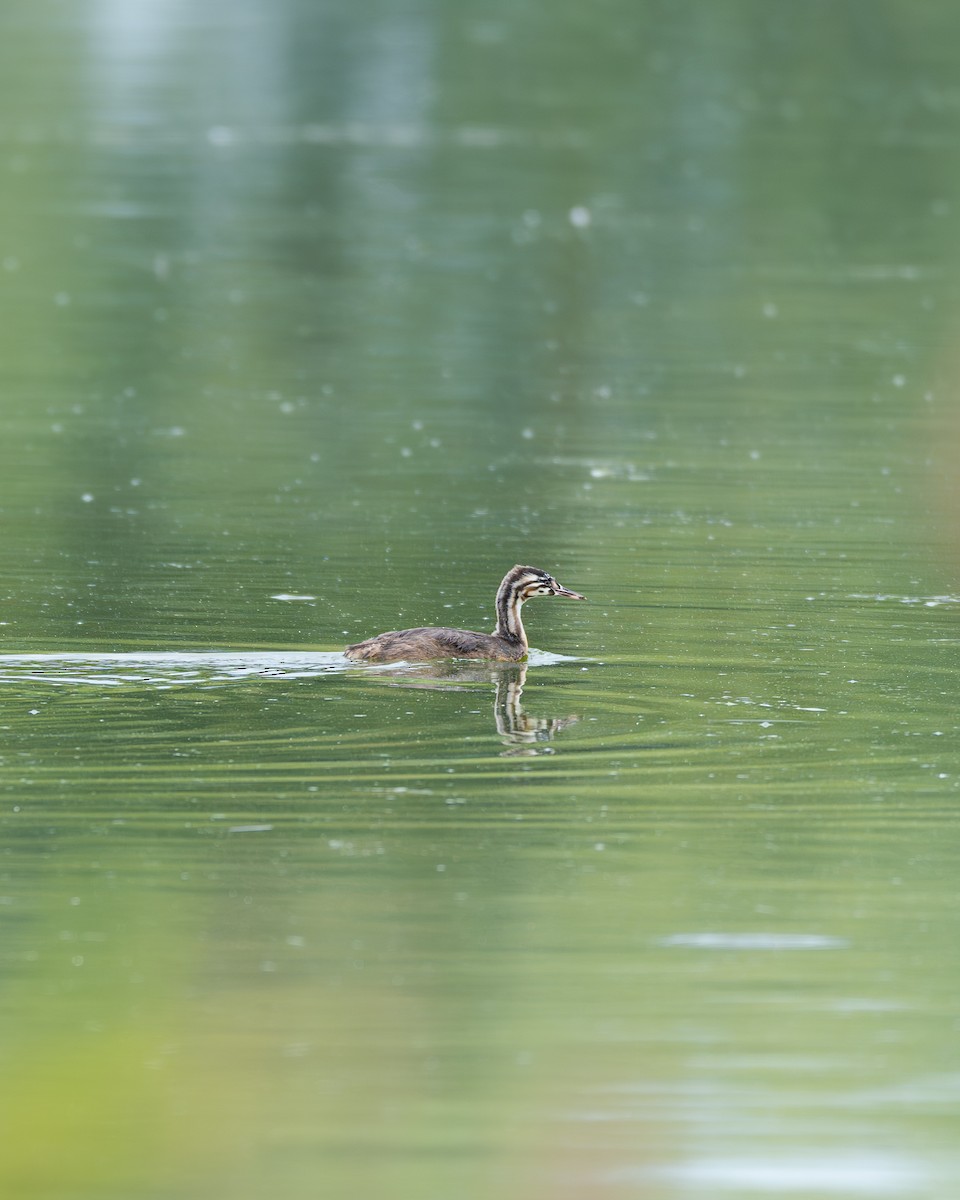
point(318, 318)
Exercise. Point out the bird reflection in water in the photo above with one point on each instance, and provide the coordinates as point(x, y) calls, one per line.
point(522, 732)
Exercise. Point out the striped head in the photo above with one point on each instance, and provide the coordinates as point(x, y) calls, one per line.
point(526, 582)
point(519, 585)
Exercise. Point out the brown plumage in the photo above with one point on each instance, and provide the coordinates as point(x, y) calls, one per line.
point(507, 643)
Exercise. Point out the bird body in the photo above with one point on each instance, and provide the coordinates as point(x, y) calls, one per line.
point(507, 643)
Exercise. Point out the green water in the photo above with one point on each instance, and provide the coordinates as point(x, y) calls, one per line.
point(316, 319)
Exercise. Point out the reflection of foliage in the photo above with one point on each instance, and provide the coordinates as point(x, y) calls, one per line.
point(329, 934)
point(86, 1107)
point(344, 306)
point(82, 1115)
point(299, 307)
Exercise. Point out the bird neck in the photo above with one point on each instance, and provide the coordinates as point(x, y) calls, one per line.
point(509, 602)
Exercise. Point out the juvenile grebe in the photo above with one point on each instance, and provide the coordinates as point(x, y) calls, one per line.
point(507, 643)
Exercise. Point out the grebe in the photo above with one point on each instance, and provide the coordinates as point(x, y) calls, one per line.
point(507, 643)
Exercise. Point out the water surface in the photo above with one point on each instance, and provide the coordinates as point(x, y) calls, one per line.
point(316, 322)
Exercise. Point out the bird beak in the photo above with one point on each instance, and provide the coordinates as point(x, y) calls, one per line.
point(562, 591)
